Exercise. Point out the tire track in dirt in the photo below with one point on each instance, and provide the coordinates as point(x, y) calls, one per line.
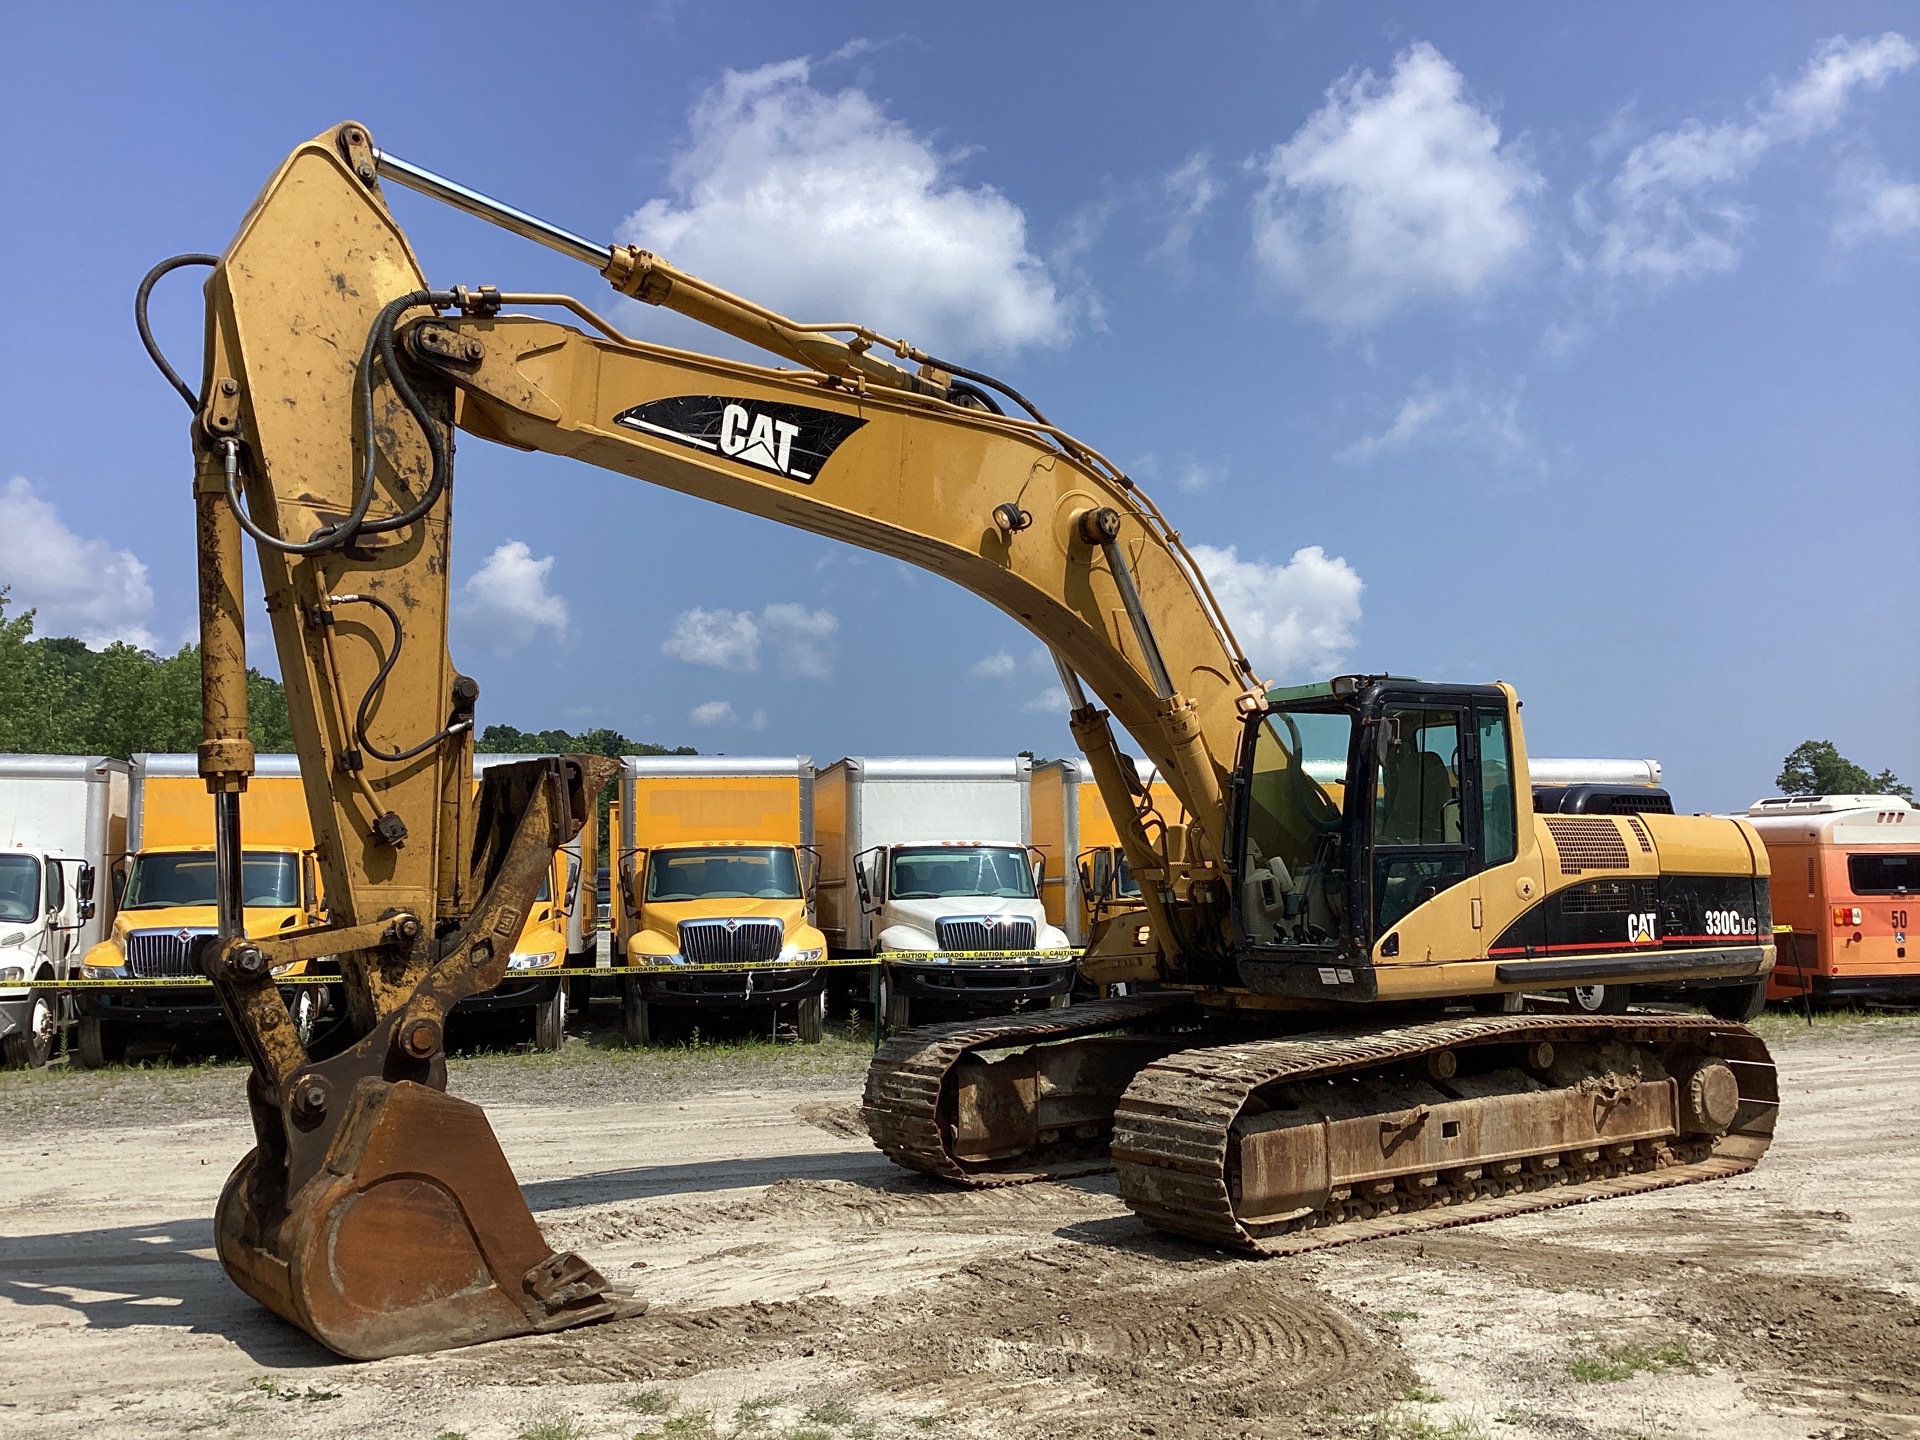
point(1095, 1341)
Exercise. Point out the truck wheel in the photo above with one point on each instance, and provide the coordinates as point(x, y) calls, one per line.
point(550, 1019)
point(896, 1009)
point(1510, 1002)
point(1738, 1003)
point(101, 1043)
point(811, 1022)
point(30, 1049)
point(635, 1014)
point(305, 1013)
point(1600, 999)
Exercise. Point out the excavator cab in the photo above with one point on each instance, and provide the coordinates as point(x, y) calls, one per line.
point(1363, 800)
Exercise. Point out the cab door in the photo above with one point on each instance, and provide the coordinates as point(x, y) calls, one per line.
point(1425, 824)
point(1507, 916)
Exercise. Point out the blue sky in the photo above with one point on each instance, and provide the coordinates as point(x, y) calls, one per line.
point(1569, 346)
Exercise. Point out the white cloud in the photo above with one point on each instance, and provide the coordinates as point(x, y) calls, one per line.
point(720, 714)
point(1295, 618)
point(1456, 416)
point(801, 639)
point(1189, 193)
point(83, 588)
point(724, 639)
point(1194, 476)
point(1875, 205)
point(1050, 701)
point(505, 604)
point(824, 207)
point(997, 666)
point(1672, 212)
point(1392, 194)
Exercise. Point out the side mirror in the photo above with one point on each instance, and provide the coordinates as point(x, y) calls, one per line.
point(87, 911)
point(1039, 871)
point(1103, 875)
point(83, 885)
point(1086, 879)
point(860, 883)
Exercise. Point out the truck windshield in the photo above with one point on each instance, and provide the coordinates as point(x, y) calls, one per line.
point(728, 873)
point(19, 887)
point(942, 872)
point(158, 881)
point(1298, 786)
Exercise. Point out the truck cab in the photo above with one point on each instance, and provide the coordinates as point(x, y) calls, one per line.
point(558, 933)
point(714, 892)
point(167, 895)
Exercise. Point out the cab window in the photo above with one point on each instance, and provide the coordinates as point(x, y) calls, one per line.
point(1499, 832)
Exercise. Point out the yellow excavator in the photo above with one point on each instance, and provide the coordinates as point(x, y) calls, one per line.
point(1315, 1034)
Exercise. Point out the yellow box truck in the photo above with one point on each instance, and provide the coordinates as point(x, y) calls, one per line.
point(559, 932)
point(165, 897)
point(1087, 876)
point(713, 880)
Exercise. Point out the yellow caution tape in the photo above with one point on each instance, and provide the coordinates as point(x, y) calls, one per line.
point(610, 972)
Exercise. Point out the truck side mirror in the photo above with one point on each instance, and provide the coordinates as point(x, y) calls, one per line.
point(629, 880)
point(1086, 879)
point(860, 882)
point(1103, 875)
point(83, 885)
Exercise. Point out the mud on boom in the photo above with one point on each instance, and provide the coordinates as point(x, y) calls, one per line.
point(1314, 1046)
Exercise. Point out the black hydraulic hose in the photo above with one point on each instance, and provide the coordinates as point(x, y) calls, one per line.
point(1007, 390)
point(364, 713)
point(382, 336)
point(976, 395)
point(140, 298)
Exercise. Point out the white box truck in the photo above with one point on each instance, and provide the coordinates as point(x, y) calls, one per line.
point(927, 865)
point(63, 826)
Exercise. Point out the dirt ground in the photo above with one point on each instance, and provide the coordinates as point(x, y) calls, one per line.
point(804, 1289)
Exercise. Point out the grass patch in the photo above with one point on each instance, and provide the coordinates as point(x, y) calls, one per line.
point(555, 1427)
point(1787, 1018)
point(695, 1424)
point(273, 1390)
point(750, 1415)
point(831, 1412)
point(1623, 1362)
point(1394, 1317)
point(809, 1434)
point(1422, 1395)
point(650, 1401)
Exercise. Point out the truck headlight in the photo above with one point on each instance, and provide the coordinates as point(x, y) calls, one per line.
point(12, 972)
point(792, 956)
point(282, 969)
point(102, 972)
point(532, 962)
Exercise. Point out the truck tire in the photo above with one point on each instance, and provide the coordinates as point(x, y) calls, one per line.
point(1739, 1003)
point(102, 1043)
point(304, 1010)
point(896, 1009)
point(635, 1014)
point(550, 1019)
point(811, 1021)
point(1599, 999)
point(1509, 1002)
point(32, 1048)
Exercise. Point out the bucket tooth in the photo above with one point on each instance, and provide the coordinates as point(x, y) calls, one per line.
point(412, 1237)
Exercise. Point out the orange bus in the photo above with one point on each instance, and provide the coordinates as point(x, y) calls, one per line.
point(1846, 879)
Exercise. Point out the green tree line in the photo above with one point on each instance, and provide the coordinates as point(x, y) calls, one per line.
point(1816, 767)
point(58, 697)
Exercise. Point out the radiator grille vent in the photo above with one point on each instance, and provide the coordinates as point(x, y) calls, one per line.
point(985, 932)
point(730, 942)
point(1587, 842)
point(1640, 834)
point(162, 954)
point(1603, 897)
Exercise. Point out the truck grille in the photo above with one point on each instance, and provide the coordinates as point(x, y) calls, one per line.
point(162, 954)
point(729, 942)
point(986, 932)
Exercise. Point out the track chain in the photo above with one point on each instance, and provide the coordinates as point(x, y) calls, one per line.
point(1172, 1131)
point(905, 1083)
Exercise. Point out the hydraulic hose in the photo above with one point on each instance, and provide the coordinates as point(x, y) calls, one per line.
point(140, 298)
point(364, 714)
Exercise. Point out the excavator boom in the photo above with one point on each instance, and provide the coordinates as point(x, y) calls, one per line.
point(378, 1213)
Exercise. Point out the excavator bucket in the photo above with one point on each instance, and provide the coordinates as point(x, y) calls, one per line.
point(412, 1237)
point(378, 1213)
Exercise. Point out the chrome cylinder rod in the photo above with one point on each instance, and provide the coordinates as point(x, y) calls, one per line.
point(229, 896)
point(1137, 613)
point(484, 207)
point(1070, 682)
